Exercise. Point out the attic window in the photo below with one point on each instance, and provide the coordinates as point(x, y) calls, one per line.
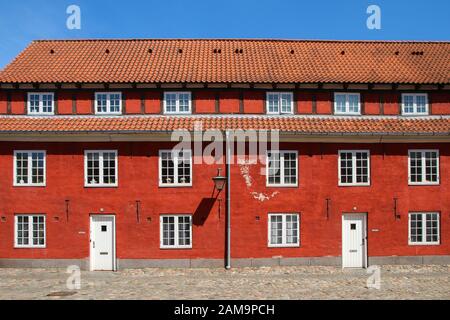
point(217, 50)
point(417, 53)
point(239, 51)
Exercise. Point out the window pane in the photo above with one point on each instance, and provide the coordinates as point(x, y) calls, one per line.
point(273, 103)
point(340, 102)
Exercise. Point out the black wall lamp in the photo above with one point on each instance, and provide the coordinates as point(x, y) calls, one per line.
point(219, 181)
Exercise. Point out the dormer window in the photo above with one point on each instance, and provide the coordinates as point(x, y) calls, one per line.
point(280, 103)
point(347, 103)
point(108, 103)
point(41, 103)
point(414, 104)
point(177, 103)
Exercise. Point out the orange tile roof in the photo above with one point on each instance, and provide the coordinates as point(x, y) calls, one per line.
point(292, 124)
point(261, 61)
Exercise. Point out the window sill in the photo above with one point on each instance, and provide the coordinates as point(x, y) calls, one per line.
point(282, 185)
point(284, 246)
point(29, 185)
point(424, 184)
point(30, 247)
point(101, 186)
point(424, 244)
point(175, 248)
point(354, 185)
point(167, 186)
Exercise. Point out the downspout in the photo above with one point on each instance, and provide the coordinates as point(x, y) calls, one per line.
point(228, 164)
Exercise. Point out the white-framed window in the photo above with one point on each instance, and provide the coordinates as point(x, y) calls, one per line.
point(280, 103)
point(176, 231)
point(424, 228)
point(354, 167)
point(284, 230)
point(29, 168)
point(29, 231)
point(282, 168)
point(177, 102)
point(175, 168)
point(100, 168)
point(108, 103)
point(414, 104)
point(423, 167)
point(347, 103)
point(41, 103)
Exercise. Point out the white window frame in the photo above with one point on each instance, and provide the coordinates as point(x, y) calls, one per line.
point(347, 103)
point(177, 107)
point(30, 244)
point(415, 113)
point(279, 93)
point(424, 230)
point(354, 183)
point(40, 112)
point(108, 103)
point(284, 236)
point(30, 169)
point(424, 182)
point(282, 184)
point(176, 234)
point(100, 185)
point(175, 183)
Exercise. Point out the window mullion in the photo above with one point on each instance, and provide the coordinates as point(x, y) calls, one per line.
point(175, 169)
point(354, 168)
point(175, 236)
point(283, 229)
point(282, 179)
point(424, 227)
point(100, 168)
point(108, 103)
point(30, 231)
point(424, 167)
point(30, 168)
point(177, 103)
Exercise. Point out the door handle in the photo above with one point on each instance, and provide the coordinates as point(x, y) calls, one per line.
point(93, 244)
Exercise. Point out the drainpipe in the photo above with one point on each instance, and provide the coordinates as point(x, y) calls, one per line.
point(228, 164)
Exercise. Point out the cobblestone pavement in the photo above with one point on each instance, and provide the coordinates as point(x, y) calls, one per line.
point(397, 282)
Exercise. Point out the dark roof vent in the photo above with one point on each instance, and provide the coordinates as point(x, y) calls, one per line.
point(217, 50)
point(150, 51)
point(180, 50)
point(107, 51)
point(417, 53)
point(52, 51)
point(239, 51)
point(397, 53)
point(292, 51)
point(342, 52)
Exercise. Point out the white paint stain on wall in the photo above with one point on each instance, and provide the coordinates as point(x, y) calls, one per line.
point(263, 197)
point(260, 196)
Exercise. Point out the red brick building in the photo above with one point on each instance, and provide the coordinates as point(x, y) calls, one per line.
point(361, 176)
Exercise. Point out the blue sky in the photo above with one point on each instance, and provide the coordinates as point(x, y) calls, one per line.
point(25, 20)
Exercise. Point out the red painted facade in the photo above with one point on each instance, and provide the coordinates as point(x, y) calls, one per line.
point(138, 237)
point(222, 101)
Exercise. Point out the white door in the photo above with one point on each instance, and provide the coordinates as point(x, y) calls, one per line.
point(354, 242)
point(103, 234)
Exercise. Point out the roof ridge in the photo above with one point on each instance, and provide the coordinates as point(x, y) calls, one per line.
point(240, 39)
